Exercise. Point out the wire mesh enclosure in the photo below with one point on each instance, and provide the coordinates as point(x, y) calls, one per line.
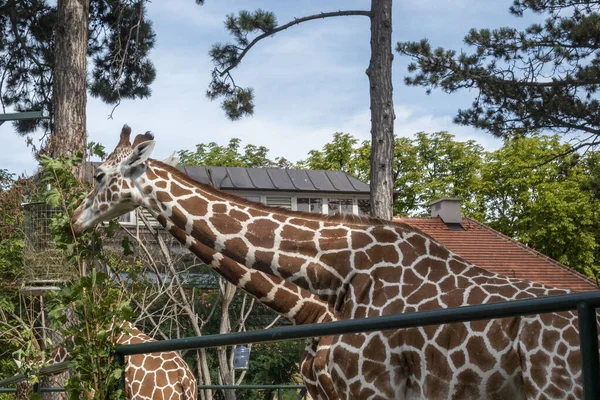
point(45, 265)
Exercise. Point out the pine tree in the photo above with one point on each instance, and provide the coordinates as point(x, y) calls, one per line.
point(239, 101)
point(543, 78)
point(42, 68)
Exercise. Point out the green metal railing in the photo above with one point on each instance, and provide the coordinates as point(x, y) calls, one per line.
point(584, 303)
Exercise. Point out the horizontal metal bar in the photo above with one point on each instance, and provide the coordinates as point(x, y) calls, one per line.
point(22, 115)
point(513, 308)
point(43, 390)
point(251, 387)
point(49, 370)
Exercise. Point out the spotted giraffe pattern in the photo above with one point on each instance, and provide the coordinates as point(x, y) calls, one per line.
point(362, 268)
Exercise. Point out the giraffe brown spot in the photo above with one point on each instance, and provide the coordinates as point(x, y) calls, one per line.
point(115, 197)
point(458, 358)
point(264, 258)
point(448, 284)
point(554, 392)
point(257, 213)
point(375, 348)
point(362, 260)
point(384, 234)
point(452, 299)
point(360, 239)
point(503, 332)
point(479, 326)
point(333, 239)
point(495, 384)
point(426, 291)
point(346, 360)
point(161, 184)
point(434, 270)
point(388, 274)
point(125, 185)
point(161, 173)
point(476, 296)
point(164, 197)
point(178, 217)
point(465, 390)
point(280, 218)
point(289, 265)
point(451, 336)
point(550, 339)
point(202, 232)
point(307, 223)
point(438, 250)
point(370, 370)
point(104, 207)
point(239, 215)
point(147, 189)
point(196, 206)
point(261, 233)
point(235, 247)
point(290, 232)
point(178, 190)
point(436, 388)
point(305, 248)
point(437, 363)
point(151, 174)
point(219, 208)
point(226, 225)
point(510, 362)
point(383, 254)
point(457, 267)
point(574, 360)
point(479, 353)
point(538, 361)
point(340, 261)
point(571, 336)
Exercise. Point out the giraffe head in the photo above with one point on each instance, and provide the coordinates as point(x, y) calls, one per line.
point(115, 191)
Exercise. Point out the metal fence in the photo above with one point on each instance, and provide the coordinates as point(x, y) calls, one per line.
point(584, 303)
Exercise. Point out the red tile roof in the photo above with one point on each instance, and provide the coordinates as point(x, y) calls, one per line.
point(481, 245)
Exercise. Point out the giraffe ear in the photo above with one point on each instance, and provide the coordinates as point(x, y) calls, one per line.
point(140, 154)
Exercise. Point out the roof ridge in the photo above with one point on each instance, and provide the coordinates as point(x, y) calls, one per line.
point(533, 251)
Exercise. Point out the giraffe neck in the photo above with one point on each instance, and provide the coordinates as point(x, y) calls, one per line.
point(294, 303)
point(282, 244)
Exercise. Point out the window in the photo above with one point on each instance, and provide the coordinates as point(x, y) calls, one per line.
point(364, 207)
point(340, 206)
point(307, 204)
point(126, 218)
point(276, 201)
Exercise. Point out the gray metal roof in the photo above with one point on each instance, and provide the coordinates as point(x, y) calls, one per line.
point(293, 180)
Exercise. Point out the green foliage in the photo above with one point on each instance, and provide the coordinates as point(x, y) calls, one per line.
point(510, 68)
point(120, 39)
point(237, 101)
point(231, 155)
point(90, 312)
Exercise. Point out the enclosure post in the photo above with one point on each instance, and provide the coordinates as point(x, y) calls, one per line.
point(588, 342)
point(279, 393)
point(121, 360)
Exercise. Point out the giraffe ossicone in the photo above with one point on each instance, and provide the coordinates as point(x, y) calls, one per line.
point(312, 268)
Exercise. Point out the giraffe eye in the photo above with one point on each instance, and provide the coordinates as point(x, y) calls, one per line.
point(99, 177)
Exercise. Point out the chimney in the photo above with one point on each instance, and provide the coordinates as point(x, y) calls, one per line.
point(448, 209)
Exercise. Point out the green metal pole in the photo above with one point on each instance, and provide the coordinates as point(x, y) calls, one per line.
point(588, 342)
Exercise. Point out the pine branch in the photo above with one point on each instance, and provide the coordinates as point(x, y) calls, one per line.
point(296, 21)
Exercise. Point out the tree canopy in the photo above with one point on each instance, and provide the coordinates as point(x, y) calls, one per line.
point(545, 77)
point(119, 41)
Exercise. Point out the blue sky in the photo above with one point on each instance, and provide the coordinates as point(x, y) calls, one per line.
point(309, 81)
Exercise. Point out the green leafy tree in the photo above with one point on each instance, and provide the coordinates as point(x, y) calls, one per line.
point(536, 198)
point(231, 155)
point(248, 28)
point(545, 77)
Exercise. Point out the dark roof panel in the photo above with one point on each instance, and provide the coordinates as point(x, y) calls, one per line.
point(321, 181)
point(230, 178)
point(196, 172)
point(260, 179)
point(280, 178)
point(240, 179)
point(300, 180)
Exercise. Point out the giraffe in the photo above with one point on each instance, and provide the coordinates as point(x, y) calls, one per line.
point(360, 267)
point(149, 376)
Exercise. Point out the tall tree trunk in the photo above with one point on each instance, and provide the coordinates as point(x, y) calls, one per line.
point(70, 78)
point(226, 374)
point(382, 109)
point(70, 98)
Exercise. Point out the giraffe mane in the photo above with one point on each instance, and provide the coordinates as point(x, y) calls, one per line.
point(341, 218)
